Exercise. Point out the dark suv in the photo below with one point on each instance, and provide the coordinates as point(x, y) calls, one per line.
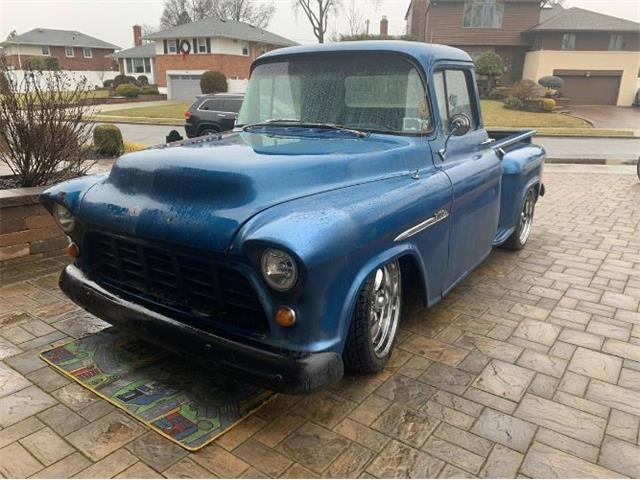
point(212, 113)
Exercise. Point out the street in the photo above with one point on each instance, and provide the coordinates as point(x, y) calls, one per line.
point(620, 149)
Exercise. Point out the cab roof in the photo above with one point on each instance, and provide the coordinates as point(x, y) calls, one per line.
point(424, 53)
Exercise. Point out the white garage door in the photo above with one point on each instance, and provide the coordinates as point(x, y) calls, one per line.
point(183, 87)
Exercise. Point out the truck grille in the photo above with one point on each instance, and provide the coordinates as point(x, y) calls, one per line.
point(193, 285)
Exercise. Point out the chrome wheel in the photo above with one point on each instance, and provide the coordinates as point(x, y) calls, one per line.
point(385, 307)
point(526, 217)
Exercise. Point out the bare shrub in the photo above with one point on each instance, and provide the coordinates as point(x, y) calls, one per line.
point(45, 124)
point(526, 90)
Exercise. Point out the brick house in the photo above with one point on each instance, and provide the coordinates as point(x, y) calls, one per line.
point(184, 52)
point(138, 60)
point(596, 54)
point(75, 51)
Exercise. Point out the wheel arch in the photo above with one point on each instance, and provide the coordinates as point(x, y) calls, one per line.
point(208, 125)
point(411, 267)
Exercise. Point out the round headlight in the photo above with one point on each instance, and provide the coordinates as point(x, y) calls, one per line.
point(64, 218)
point(279, 269)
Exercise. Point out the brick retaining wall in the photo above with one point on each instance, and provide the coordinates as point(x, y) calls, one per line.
point(27, 231)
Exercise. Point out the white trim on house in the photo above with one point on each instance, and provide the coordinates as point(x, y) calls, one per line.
point(68, 50)
point(46, 51)
point(85, 50)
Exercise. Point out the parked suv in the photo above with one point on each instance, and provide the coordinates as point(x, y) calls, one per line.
point(212, 113)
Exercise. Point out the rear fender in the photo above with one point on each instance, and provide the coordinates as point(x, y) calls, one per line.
point(521, 170)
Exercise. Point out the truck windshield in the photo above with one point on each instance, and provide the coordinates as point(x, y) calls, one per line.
point(373, 92)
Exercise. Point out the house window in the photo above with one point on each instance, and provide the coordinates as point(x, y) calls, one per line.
point(615, 41)
point(69, 52)
point(263, 50)
point(202, 45)
point(171, 46)
point(483, 14)
point(568, 41)
point(87, 52)
point(45, 51)
point(139, 65)
point(245, 48)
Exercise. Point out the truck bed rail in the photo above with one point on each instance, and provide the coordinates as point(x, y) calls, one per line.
point(501, 145)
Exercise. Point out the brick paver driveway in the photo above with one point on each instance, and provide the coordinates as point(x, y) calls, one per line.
point(530, 367)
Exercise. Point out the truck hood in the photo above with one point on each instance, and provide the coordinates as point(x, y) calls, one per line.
point(199, 192)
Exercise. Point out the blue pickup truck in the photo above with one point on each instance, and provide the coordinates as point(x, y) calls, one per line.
point(281, 251)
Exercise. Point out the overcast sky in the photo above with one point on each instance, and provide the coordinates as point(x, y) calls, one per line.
point(111, 20)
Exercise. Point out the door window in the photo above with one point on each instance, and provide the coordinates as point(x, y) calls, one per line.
point(454, 94)
point(215, 105)
point(232, 105)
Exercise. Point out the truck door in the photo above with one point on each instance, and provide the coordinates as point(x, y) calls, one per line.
point(474, 172)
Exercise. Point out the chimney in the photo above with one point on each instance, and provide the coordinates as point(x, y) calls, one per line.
point(384, 26)
point(137, 35)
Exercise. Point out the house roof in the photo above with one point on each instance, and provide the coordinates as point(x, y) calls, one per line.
point(146, 50)
point(578, 19)
point(216, 27)
point(58, 38)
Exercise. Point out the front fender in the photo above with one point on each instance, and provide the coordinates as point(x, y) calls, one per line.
point(339, 237)
point(70, 192)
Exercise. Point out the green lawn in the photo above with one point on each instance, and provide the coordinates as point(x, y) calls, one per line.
point(494, 113)
point(168, 110)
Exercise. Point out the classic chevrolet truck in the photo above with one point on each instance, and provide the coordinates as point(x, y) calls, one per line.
point(280, 251)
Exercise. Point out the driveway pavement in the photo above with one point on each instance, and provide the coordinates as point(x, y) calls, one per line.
point(604, 116)
point(530, 367)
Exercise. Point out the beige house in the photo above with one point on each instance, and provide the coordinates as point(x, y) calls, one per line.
point(597, 56)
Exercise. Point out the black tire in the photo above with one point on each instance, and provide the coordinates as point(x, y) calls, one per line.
point(208, 131)
point(518, 238)
point(359, 355)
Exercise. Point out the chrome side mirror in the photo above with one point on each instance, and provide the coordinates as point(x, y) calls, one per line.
point(459, 124)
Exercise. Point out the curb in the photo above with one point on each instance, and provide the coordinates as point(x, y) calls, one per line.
point(590, 161)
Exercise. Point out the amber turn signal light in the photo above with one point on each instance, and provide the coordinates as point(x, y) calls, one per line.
point(285, 316)
point(72, 250)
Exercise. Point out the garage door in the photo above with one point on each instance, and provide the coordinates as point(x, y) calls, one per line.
point(184, 87)
point(583, 87)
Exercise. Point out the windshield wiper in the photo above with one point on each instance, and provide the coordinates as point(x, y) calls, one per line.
point(292, 122)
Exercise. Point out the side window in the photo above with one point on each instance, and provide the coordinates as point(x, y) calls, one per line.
point(212, 105)
point(454, 94)
point(232, 105)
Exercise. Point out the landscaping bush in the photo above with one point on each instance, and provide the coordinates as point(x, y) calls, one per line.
point(547, 104)
point(551, 81)
point(124, 80)
point(128, 90)
point(143, 80)
point(526, 91)
point(46, 120)
point(514, 102)
point(490, 65)
point(149, 90)
point(107, 140)
point(500, 93)
point(108, 83)
point(213, 82)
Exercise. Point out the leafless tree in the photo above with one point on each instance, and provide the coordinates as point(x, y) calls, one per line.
point(256, 14)
point(317, 12)
point(355, 19)
point(45, 124)
point(178, 12)
point(147, 30)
